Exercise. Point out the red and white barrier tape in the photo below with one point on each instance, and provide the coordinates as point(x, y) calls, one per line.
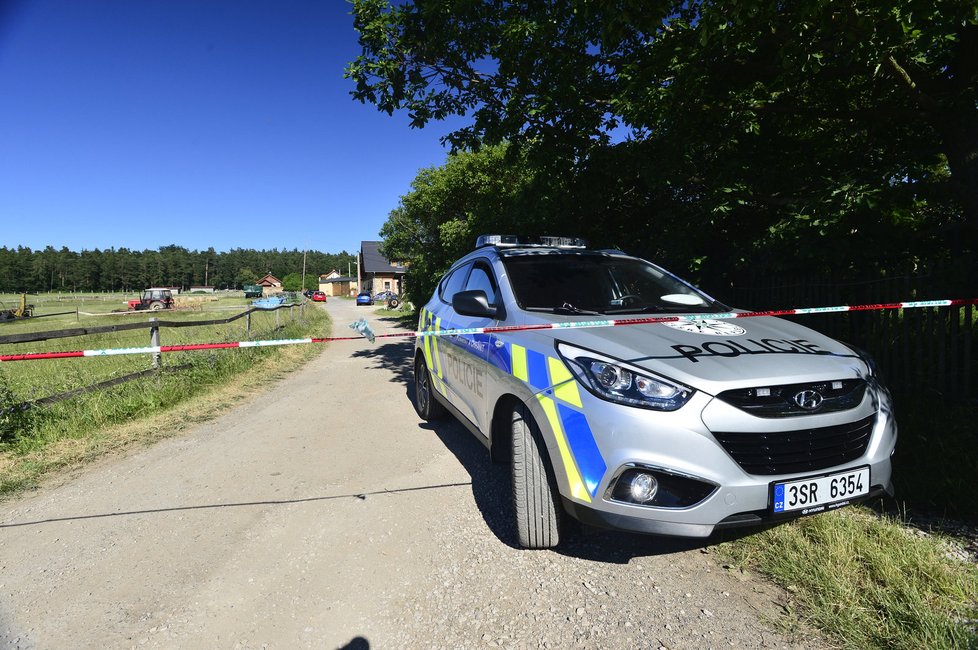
point(491, 330)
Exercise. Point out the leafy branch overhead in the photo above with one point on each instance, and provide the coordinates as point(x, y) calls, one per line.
point(766, 116)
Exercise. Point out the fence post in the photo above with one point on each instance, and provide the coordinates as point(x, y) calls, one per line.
point(278, 318)
point(291, 313)
point(154, 341)
point(248, 322)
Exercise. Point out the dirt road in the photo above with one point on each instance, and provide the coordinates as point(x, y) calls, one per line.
point(324, 514)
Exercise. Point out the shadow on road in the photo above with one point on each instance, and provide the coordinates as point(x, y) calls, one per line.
point(492, 490)
point(395, 358)
point(356, 643)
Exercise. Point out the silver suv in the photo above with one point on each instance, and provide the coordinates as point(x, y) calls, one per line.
point(672, 428)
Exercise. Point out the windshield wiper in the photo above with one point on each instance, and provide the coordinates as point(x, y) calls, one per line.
point(653, 309)
point(566, 308)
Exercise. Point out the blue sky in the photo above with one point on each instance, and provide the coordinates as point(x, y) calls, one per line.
point(201, 123)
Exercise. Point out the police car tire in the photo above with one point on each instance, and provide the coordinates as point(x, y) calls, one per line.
point(538, 518)
point(425, 403)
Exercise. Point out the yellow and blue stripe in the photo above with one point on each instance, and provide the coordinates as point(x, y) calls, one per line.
point(430, 348)
point(560, 399)
point(557, 393)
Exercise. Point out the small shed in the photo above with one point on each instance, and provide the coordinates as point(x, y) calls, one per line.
point(334, 284)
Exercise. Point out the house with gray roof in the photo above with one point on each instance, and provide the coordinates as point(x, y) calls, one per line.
point(377, 273)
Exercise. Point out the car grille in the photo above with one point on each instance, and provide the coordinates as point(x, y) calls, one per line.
point(790, 452)
point(779, 401)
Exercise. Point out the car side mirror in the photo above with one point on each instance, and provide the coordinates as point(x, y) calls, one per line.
point(475, 303)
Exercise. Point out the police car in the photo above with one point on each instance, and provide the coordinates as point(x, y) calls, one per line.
point(673, 428)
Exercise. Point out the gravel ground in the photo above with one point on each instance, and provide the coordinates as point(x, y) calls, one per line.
point(323, 514)
point(960, 538)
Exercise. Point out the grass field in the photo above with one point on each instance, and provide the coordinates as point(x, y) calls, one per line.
point(34, 441)
point(31, 380)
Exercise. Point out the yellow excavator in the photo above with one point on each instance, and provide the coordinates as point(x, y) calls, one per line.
point(23, 310)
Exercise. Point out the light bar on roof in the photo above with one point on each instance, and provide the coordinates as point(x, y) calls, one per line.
point(513, 240)
point(563, 242)
point(496, 240)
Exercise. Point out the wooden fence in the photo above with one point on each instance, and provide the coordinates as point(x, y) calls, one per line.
point(923, 352)
point(154, 325)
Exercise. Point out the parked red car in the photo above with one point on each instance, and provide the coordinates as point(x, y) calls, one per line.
point(318, 296)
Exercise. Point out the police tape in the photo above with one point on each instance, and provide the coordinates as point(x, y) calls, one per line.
point(699, 320)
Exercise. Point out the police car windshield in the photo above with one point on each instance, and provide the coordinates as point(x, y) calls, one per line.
point(595, 282)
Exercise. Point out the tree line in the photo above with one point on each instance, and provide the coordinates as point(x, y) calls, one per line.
point(723, 139)
point(122, 269)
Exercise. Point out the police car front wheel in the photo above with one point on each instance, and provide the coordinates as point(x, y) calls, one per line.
point(425, 403)
point(535, 499)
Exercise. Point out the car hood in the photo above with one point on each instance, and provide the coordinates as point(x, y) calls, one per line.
point(718, 355)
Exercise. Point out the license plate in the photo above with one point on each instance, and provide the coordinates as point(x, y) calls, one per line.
point(818, 493)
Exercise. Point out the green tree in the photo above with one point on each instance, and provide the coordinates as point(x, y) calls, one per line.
point(449, 206)
point(777, 123)
point(245, 276)
point(292, 282)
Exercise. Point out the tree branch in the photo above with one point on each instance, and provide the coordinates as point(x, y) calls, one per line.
point(926, 102)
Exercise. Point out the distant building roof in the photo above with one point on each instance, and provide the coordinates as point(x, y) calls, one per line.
point(269, 281)
point(327, 280)
point(374, 262)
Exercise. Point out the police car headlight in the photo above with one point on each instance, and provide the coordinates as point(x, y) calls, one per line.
point(616, 381)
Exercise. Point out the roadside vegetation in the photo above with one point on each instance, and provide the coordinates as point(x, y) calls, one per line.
point(868, 580)
point(190, 387)
point(404, 316)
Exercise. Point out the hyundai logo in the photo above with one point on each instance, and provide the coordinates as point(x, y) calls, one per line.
point(808, 399)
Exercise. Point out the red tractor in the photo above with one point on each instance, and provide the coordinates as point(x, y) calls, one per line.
point(153, 300)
